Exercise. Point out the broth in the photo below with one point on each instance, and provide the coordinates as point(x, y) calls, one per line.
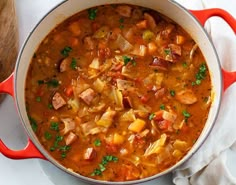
point(118, 93)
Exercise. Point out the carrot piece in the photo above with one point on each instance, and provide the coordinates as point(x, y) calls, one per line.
point(180, 39)
point(142, 24)
point(158, 116)
point(69, 91)
point(152, 47)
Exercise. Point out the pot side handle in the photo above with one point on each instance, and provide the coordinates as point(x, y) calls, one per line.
point(30, 151)
point(203, 15)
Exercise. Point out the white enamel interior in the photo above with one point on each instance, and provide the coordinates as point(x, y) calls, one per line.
point(70, 7)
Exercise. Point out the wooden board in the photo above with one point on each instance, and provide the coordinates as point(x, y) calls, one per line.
point(8, 39)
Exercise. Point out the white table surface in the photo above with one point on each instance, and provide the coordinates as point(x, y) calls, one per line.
point(33, 171)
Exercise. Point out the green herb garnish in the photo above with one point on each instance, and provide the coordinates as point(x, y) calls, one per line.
point(52, 83)
point(33, 123)
point(172, 93)
point(47, 135)
point(38, 99)
point(92, 13)
point(201, 74)
point(97, 142)
point(186, 115)
point(40, 82)
point(50, 106)
point(57, 140)
point(151, 116)
point(128, 60)
point(121, 20)
point(54, 126)
point(66, 50)
point(64, 148)
point(102, 166)
point(167, 51)
point(73, 63)
point(162, 107)
point(185, 64)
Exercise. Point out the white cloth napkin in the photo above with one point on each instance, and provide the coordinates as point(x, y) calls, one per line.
point(213, 163)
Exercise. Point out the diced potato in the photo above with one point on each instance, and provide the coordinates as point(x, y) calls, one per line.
point(180, 145)
point(137, 125)
point(99, 85)
point(159, 78)
point(177, 154)
point(118, 139)
point(180, 39)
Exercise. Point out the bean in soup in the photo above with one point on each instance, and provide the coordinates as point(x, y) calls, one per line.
point(118, 93)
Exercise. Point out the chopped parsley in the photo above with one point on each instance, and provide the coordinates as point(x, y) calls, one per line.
point(73, 63)
point(52, 83)
point(33, 123)
point(162, 107)
point(54, 126)
point(38, 99)
point(40, 82)
point(50, 106)
point(186, 115)
point(185, 64)
point(122, 26)
point(167, 51)
point(64, 148)
point(97, 142)
point(66, 50)
point(151, 116)
point(92, 13)
point(129, 60)
point(47, 135)
point(57, 140)
point(102, 166)
point(201, 74)
point(121, 20)
point(172, 93)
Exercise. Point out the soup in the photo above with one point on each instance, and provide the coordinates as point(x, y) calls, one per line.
point(118, 93)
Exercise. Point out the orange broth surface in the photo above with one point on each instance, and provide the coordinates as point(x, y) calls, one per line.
point(118, 93)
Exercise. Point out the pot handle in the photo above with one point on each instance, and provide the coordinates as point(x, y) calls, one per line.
point(203, 15)
point(30, 151)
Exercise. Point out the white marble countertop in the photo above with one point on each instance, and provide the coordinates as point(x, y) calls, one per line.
point(32, 171)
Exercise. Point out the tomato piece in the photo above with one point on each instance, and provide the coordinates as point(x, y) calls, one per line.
point(144, 98)
point(164, 124)
point(69, 91)
point(111, 148)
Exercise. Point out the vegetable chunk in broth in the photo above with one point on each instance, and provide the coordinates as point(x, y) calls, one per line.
point(118, 93)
